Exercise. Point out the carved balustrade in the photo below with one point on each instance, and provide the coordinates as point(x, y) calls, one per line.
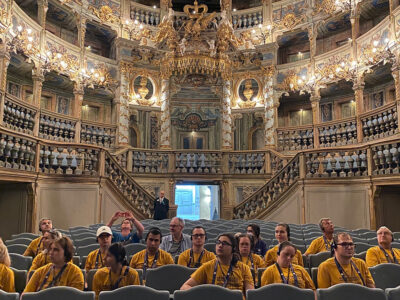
point(386, 159)
point(277, 162)
point(98, 134)
point(246, 163)
point(54, 127)
point(18, 116)
point(247, 18)
point(17, 152)
point(145, 14)
point(149, 162)
point(131, 190)
point(293, 139)
point(198, 162)
point(270, 192)
point(336, 134)
point(380, 123)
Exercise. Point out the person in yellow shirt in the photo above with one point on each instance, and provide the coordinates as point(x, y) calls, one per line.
point(117, 274)
point(36, 246)
point(343, 267)
point(197, 255)
point(246, 247)
point(43, 258)
point(282, 234)
point(151, 257)
point(383, 253)
point(96, 258)
point(226, 270)
point(323, 243)
point(6, 274)
point(60, 272)
point(283, 271)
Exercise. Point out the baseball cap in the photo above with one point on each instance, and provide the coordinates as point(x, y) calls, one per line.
point(103, 229)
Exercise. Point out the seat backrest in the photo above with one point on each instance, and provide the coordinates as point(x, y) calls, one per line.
point(350, 291)
point(314, 276)
point(361, 255)
point(260, 271)
point(19, 279)
point(17, 248)
point(134, 292)
point(386, 275)
point(84, 242)
point(393, 293)
point(84, 235)
point(85, 250)
point(280, 291)
point(210, 247)
point(132, 249)
point(20, 262)
point(209, 292)
point(361, 247)
point(8, 296)
point(89, 278)
point(18, 241)
point(59, 293)
point(27, 235)
point(317, 259)
point(161, 279)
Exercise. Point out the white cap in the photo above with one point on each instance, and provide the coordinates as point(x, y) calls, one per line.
point(103, 229)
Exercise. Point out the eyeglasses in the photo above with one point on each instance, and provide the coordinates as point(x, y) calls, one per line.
point(173, 225)
point(196, 236)
point(223, 243)
point(345, 245)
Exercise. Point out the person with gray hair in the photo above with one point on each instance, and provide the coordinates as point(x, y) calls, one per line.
point(176, 242)
point(383, 253)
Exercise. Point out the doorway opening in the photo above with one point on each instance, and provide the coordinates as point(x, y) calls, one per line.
point(197, 201)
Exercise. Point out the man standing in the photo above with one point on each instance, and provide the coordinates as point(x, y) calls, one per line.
point(126, 236)
point(323, 243)
point(383, 253)
point(343, 267)
point(161, 207)
point(96, 258)
point(36, 246)
point(176, 242)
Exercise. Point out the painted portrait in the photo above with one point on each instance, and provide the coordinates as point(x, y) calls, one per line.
point(377, 100)
point(14, 89)
point(326, 112)
point(63, 105)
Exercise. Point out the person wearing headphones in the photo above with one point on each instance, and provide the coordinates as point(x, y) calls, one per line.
point(60, 272)
point(151, 257)
point(284, 271)
point(43, 258)
point(253, 261)
point(96, 258)
point(176, 242)
point(7, 281)
point(226, 270)
point(343, 267)
point(36, 246)
point(117, 273)
point(197, 255)
point(383, 253)
point(260, 247)
point(282, 234)
point(126, 236)
point(323, 243)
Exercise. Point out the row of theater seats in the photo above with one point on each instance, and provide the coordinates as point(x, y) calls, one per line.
point(211, 292)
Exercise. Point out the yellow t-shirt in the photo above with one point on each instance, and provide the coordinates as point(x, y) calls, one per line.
point(272, 275)
point(240, 275)
point(184, 258)
point(6, 279)
point(328, 273)
point(101, 280)
point(34, 248)
point(40, 260)
point(258, 262)
point(272, 255)
point(164, 258)
point(72, 277)
point(91, 261)
point(375, 256)
point(318, 245)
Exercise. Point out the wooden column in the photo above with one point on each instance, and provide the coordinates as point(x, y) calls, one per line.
point(4, 62)
point(315, 99)
point(358, 88)
point(38, 79)
point(43, 6)
point(78, 100)
point(226, 136)
point(396, 77)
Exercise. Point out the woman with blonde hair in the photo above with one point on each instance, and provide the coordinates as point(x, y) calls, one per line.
point(6, 274)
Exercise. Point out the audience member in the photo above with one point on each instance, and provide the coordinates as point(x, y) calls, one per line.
point(197, 255)
point(96, 258)
point(283, 271)
point(36, 246)
point(176, 242)
point(60, 272)
point(116, 274)
point(324, 242)
point(383, 253)
point(161, 207)
point(260, 247)
point(6, 274)
point(282, 234)
point(43, 258)
point(126, 236)
point(343, 267)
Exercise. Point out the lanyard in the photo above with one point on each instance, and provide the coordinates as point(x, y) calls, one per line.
point(227, 275)
point(97, 260)
point(343, 274)
point(388, 257)
point(146, 261)
point(116, 284)
point(286, 280)
point(38, 247)
point(55, 278)
point(250, 257)
point(328, 246)
point(198, 264)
